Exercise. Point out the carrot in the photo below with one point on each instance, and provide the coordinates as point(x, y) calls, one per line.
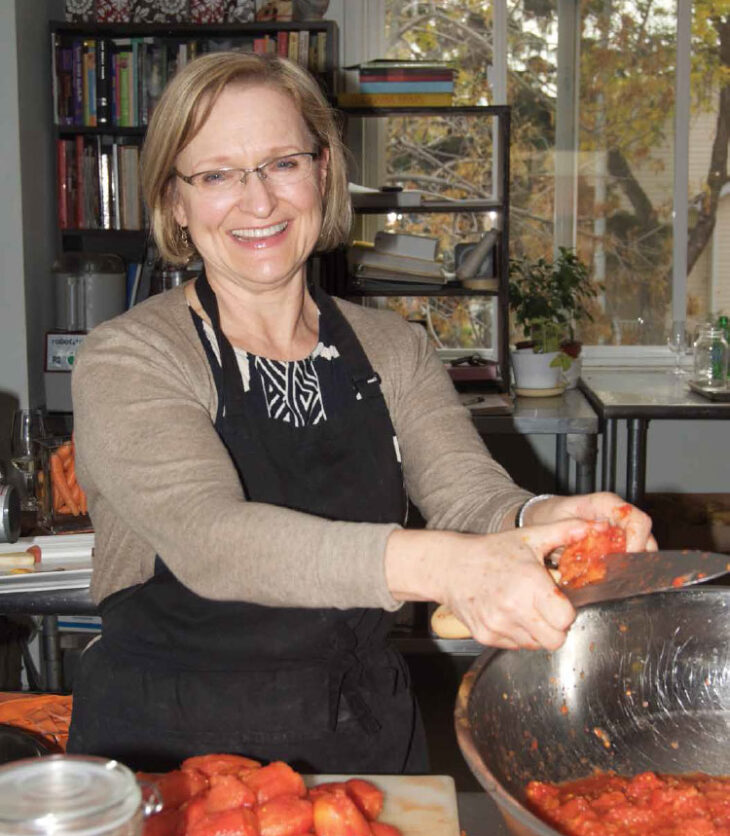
point(64, 451)
point(58, 477)
point(84, 503)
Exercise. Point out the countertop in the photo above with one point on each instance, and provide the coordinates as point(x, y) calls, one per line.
point(479, 815)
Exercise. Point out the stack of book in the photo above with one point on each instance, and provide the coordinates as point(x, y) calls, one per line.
point(386, 83)
point(396, 258)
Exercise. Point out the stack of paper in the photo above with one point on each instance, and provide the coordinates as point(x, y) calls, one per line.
point(397, 257)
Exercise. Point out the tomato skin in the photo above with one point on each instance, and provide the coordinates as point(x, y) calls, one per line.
point(217, 764)
point(228, 792)
point(323, 789)
point(278, 778)
point(337, 815)
point(379, 828)
point(164, 823)
point(367, 796)
point(285, 815)
point(241, 822)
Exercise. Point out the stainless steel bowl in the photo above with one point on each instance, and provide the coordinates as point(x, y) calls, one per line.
point(640, 684)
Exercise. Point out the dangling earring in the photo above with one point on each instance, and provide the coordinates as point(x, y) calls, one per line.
point(184, 237)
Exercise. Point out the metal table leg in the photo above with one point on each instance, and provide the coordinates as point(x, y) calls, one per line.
point(636, 461)
point(583, 449)
point(562, 464)
point(51, 659)
point(608, 459)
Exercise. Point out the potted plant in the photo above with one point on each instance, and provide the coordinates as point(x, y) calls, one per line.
point(548, 298)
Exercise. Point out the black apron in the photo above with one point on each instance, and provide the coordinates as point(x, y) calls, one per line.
point(175, 674)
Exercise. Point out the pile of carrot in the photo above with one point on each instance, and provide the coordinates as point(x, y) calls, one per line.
point(67, 495)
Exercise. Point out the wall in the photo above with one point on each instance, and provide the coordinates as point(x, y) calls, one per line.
point(27, 235)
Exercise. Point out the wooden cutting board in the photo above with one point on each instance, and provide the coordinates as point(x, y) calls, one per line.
point(419, 805)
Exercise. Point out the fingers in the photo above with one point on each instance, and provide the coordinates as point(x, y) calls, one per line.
point(543, 539)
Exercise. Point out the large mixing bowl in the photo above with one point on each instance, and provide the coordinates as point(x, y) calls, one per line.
point(640, 684)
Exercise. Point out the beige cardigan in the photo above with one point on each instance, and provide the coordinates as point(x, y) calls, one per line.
point(159, 479)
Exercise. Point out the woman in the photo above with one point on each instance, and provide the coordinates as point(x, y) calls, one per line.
point(247, 445)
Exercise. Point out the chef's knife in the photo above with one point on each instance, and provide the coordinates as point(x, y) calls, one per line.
point(627, 575)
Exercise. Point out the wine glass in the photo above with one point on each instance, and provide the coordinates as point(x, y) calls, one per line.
point(677, 342)
point(28, 428)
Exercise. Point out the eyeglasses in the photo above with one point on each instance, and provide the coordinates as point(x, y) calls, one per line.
point(279, 172)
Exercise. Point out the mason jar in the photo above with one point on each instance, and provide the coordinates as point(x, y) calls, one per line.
point(711, 357)
point(69, 795)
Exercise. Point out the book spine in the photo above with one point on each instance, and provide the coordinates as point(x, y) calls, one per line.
point(80, 182)
point(259, 46)
point(134, 82)
point(105, 170)
point(123, 71)
point(114, 191)
point(407, 87)
point(404, 75)
point(282, 44)
point(61, 185)
point(322, 64)
point(303, 52)
point(395, 99)
point(78, 81)
point(71, 182)
point(103, 82)
point(293, 46)
point(56, 64)
point(89, 59)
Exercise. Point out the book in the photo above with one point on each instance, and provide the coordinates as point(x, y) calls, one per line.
point(89, 82)
point(381, 281)
point(130, 202)
point(403, 243)
point(103, 82)
point(293, 46)
point(321, 65)
point(104, 160)
point(80, 218)
point(399, 64)
point(405, 75)
point(61, 184)
point(282, 44)
point(361, 256)
point(395, 99)
point(303, 54)
point(407, 87)
point(77, 59)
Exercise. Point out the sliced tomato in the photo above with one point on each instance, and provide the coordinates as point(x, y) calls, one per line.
point(367, 796)
point(278, 778)
point(176, 787)
point(285, 815)
point(328, 787)
point(337, 815)
point(228, 792)
point(380, 828)
point(241, 822)
point(219, 764)
point(164, 823)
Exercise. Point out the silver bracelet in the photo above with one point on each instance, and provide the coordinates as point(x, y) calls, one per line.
point(530, 502)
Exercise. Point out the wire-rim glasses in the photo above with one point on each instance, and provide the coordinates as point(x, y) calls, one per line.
point(281, 171)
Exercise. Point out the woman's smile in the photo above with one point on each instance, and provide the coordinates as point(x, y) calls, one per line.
point(262, 236)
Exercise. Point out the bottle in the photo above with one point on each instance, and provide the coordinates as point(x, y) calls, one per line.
point(711, 357)
point(724, 323)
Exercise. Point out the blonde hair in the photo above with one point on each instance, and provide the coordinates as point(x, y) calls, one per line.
point(184, 107)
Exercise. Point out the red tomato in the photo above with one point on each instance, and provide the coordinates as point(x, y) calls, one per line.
point(241, 822)
point(227, 792)
point(176, 787)
point(323, 789)
point(379, 828)
point(165, 823)
point(285, 815)
point(219, 764)
point(367, 796)
point(278, 778)
point(337, 815)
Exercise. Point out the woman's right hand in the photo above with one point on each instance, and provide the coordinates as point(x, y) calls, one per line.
point(496, 584)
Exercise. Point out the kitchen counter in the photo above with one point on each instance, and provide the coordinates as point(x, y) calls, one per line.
point(479, 815)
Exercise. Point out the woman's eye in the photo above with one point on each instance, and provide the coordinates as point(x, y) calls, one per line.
point(286, 164)
point(213, 177)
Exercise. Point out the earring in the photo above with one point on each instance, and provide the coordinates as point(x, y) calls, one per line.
point(184, 236)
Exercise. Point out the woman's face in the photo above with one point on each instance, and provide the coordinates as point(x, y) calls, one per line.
point(257, 235)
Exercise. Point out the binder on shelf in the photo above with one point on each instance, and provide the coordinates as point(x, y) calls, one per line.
point(366, 261)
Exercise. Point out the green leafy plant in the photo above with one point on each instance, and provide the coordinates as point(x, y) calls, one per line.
point(548, 298)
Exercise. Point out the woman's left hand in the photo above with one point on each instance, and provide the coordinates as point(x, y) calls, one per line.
point(598, 507)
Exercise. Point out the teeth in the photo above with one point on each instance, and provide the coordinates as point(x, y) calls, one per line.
point(263, 232)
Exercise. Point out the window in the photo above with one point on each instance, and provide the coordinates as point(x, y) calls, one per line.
point(622, 159)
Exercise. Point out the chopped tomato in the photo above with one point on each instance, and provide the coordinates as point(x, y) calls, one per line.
point(241, 822)
point(584, 562)
point(164, 823)
point(379, 828)
point(176, 787)
point(367, 796)
point(337, 815)
point(285, 815)
point(328, 787)
point(278, 778)
point(227, 792)
point(217, 764)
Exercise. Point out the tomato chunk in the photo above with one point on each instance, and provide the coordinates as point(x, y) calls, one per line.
point(323, 789)
point(241, 822)
point(584, 562)
point(285, 815)
point(219, 764)
point(278, 778)
point(228, 792)
point(176, 787)
point(337, 815)
point(367, 796)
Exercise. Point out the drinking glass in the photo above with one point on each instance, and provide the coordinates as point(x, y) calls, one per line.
point(677, 342)
point(28, 429)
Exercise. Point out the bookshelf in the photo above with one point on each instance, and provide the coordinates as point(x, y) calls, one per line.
point(496, 203)
point(106, 81)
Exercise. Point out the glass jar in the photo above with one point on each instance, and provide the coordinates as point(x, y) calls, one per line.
point(62, 504)
point(69, 795)
point(711, 357)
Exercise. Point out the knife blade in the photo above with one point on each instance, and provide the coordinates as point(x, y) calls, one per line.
point(627, 574)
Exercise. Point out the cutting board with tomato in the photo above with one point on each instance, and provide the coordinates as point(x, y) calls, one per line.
point(419, 805)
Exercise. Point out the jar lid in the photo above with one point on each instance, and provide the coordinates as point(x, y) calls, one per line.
point(66, 794)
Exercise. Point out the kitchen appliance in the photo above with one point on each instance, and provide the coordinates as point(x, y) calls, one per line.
point(640, 684)
point(88, 289)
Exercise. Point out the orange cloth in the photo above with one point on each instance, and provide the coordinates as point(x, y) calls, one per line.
point(47, 716)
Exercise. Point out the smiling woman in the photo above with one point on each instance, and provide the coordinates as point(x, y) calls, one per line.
point(249, 549)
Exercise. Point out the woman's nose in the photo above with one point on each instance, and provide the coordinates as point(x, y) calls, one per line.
point(255, 195)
